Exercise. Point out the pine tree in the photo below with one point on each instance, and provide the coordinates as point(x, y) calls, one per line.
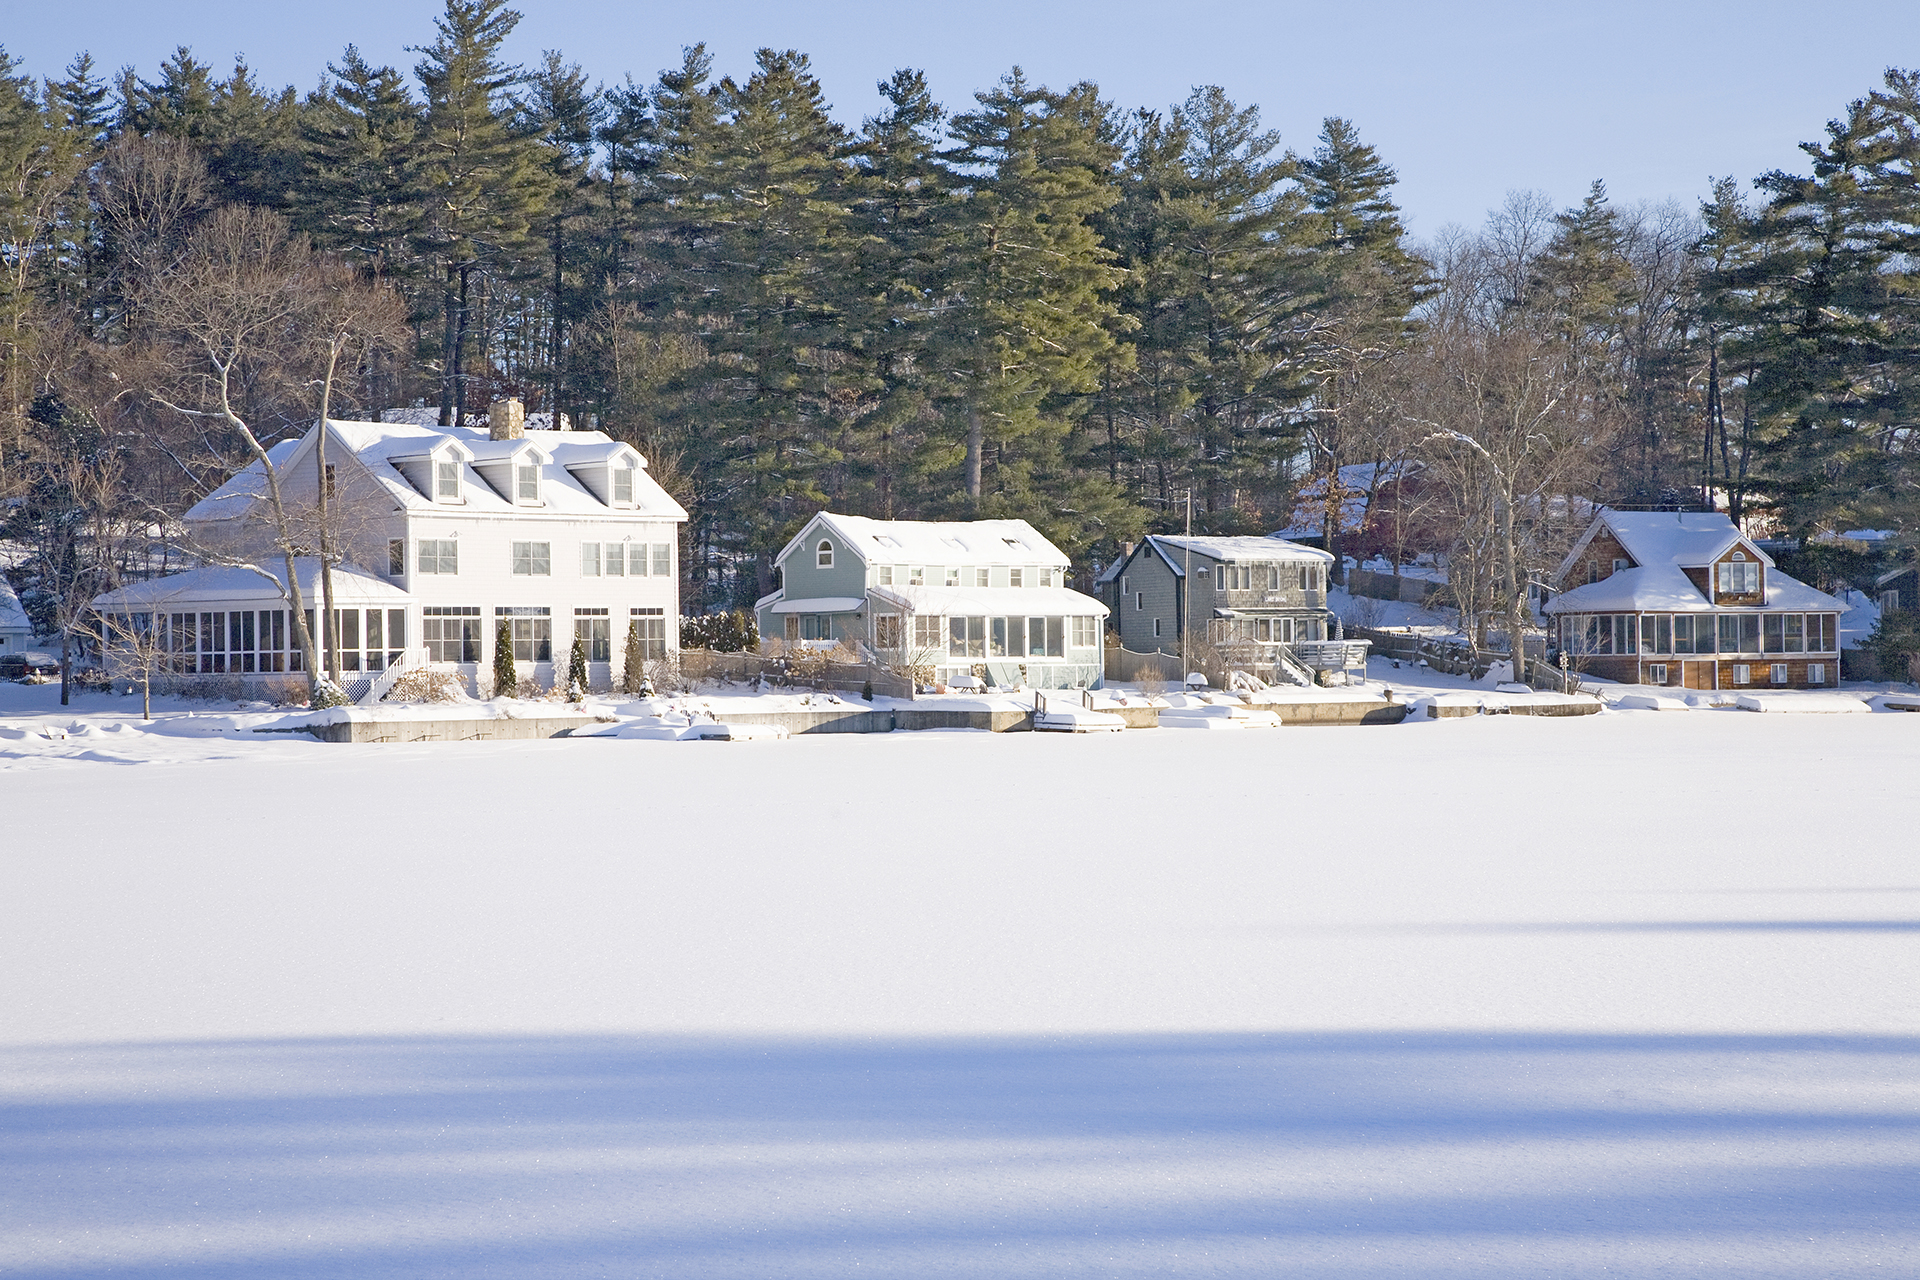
point(484, 185)
point(1212, 239)
point(633, 669)
point(1819, 300)
point(565, 116)
point(1027, 317)
point(900, 194)
point(506, 682)
point(577, 671)
point(1369, 284)
point(362, 192)
point(180, 104)
point(753, 221)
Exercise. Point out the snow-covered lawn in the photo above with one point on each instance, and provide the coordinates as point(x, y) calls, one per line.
point(1629, 994)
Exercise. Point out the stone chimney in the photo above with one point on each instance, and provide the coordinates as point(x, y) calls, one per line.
point(506, 420)
point(1126, 549)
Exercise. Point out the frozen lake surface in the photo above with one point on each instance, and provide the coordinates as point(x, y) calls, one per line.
point(1625, 995)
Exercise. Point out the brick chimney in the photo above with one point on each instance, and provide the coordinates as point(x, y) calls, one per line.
point(506, 420)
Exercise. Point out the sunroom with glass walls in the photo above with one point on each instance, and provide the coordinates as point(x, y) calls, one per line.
point(1625, 646)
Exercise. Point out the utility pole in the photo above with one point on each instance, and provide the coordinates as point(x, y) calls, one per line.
point(1186, 601)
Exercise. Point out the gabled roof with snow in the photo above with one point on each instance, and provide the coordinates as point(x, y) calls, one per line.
point(242, 584)
point(379, 447)
point(944, 542)
point(1235, 550)
point(1664, 544)
point(1687, 538)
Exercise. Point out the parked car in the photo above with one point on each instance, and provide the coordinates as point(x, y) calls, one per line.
point(28, 665)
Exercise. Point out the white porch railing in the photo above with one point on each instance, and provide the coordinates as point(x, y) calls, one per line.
point(380, 685)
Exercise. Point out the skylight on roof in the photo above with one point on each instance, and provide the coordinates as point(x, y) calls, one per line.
point(1015, 543)
point(884, 540)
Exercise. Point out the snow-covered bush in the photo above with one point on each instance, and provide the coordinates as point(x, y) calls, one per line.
point(426, 684)
point(327, 694)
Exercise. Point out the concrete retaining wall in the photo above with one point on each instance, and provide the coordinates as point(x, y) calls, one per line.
point(497, 730)
point(1312, 712)
point(1581, 707)
point(852, 721)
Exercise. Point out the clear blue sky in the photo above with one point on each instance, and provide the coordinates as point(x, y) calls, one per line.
point(1467, 101)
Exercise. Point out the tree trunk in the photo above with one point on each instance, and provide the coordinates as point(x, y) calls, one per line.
point(976, 440)
point(301, 634)
point(448, 323)
point(460, 351)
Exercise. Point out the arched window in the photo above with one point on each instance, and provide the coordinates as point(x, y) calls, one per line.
point(824, 556)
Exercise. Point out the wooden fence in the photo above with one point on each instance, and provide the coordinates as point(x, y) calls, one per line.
point(1458, 659)
point(794, 673)
point(1127, 666)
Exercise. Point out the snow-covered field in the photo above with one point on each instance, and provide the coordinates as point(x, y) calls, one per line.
point(1630, 994)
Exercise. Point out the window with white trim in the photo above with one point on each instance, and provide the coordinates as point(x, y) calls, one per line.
point(533, 559)
point(1086, 634)
point(446, 481)
point(451, 633)
point(1778, 672)
point(1737, 577)
point(1657, 672)
point(527, 483)
point(663, 559)
point(1140, 602)
point(589, 559)
point(1016, 577)
point(886, 630)
point(438, 555)
point(1889, 601)
point(1156, 627)
point(1742, 673)
point(1816, 673)
point(530, 628)
point(929, 632)
point(396, 557)
point(982, 577)
point(917, 576)
point(594, 629)
point(823, 555)
point(953, 576)
point(883, 575)
point(623, 485)
point(1049, 577)
point(648, 628)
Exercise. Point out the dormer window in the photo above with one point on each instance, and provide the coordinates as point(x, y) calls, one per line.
point(1741, 577)
point(823, 554)
point(623, 486)
point(446, 481)
point(526, 483)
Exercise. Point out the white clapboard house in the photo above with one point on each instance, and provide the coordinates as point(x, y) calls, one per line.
point(970, 600)
point(448, 532)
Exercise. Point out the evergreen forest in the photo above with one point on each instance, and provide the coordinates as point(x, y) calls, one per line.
point(1035, 302)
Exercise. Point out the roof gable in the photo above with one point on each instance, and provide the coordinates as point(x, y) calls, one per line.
point(944, 542)
point(383, 448)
